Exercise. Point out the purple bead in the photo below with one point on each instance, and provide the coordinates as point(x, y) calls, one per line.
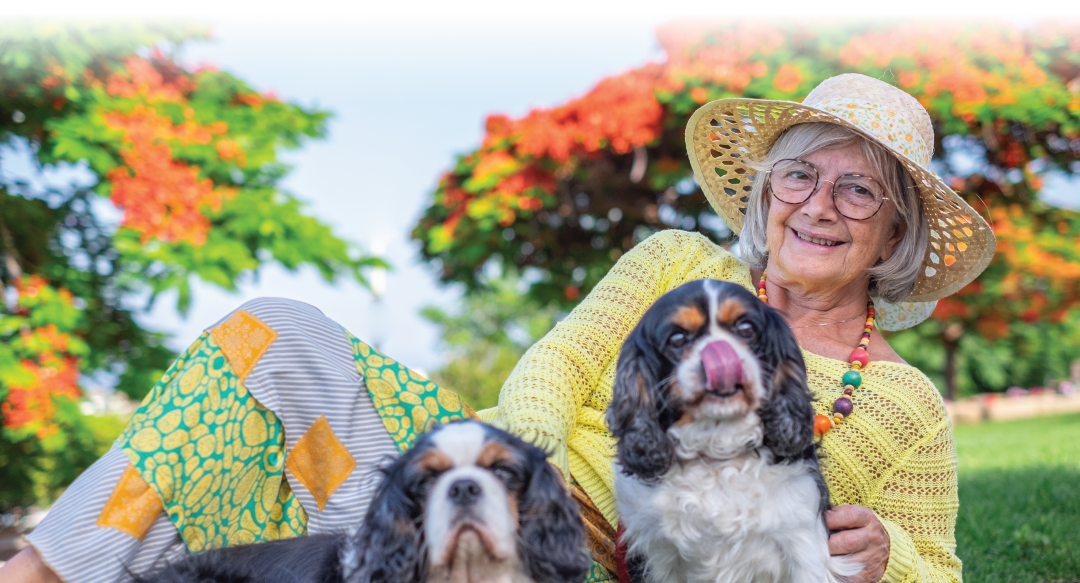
point(843, 406)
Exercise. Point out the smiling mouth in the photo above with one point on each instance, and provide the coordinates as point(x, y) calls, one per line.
point(815, 240)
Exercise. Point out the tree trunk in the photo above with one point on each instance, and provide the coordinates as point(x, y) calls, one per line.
point(950, 369)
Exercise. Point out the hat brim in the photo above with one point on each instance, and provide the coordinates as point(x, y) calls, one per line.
point(723, 134)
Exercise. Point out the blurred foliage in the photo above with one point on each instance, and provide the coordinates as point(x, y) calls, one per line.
point(185, 174)
point(486, 336)
point(567, 190)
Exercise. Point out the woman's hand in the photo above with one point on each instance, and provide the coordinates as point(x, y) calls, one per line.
point(859, 533)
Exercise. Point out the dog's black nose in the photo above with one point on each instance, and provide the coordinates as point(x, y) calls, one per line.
point(464, 492)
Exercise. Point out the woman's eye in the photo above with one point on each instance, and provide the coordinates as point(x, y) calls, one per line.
point(796, 175)
point(745, 329)
point(677, 340)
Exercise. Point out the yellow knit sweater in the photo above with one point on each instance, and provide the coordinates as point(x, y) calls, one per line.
point(895, 455)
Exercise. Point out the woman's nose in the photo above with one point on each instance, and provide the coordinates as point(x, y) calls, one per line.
point(820, 206)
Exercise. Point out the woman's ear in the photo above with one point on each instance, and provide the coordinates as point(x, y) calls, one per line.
point(389, 544)
point(551, 539)
point(894, 241)
point(643, 449)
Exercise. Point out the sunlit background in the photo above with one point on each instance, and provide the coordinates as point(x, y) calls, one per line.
point(410, 86)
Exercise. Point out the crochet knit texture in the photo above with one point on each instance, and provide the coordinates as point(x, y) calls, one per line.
point(894, 455)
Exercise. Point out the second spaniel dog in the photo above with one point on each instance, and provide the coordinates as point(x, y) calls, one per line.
point(469, 503)
point(718, 478)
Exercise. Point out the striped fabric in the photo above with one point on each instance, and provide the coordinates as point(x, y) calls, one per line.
point(309, 371)
point(79, 551)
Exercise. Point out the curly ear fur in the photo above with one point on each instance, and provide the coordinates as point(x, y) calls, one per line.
point(551, 538)
point(634, 416)
point(787, 415)
point(388, 544)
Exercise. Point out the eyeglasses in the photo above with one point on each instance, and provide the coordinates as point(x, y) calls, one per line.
point(856, 196)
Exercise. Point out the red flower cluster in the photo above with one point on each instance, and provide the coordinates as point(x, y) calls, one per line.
point(942, 59)
point(162, 197)
point(620, 113)
point(50, 371)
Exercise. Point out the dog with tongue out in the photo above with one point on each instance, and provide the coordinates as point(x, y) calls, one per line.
point(717, 477)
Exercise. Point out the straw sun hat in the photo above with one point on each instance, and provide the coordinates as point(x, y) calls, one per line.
point(721, 136)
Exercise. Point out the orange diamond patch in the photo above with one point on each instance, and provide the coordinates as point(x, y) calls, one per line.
point(320, 462)
point(133, 506)
point(244, 339)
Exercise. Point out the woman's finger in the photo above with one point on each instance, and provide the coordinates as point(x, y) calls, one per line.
point(846, 542)
point(846, 517)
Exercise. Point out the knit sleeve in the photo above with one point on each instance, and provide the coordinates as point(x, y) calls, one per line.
point(540, 400)
point(917, 505)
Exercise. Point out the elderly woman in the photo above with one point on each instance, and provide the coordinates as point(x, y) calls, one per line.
point(834, 202)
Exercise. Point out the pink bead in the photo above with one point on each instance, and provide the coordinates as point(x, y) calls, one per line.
point(860, 356)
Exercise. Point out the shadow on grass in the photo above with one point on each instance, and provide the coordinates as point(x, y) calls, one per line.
point(1020, 525)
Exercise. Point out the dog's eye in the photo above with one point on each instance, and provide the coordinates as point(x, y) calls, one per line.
point(504, 473)
point(745, 329)
point(678, 340)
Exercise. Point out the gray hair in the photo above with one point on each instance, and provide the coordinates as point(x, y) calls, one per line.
point(891, 280)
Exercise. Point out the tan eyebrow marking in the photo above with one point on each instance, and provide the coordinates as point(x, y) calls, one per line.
point(730, 310)
point(435, 460)
point(493, 452)
point(689, 318)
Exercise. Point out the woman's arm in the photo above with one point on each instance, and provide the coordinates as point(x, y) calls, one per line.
point(541, 398)
point(917, 504)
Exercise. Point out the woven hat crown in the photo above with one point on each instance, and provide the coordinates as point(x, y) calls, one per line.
point(880, 93)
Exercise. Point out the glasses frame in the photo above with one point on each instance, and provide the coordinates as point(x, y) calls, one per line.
point(818, 182)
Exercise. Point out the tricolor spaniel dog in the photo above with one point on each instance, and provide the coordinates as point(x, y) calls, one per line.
point(719, 478)
point(469, 503)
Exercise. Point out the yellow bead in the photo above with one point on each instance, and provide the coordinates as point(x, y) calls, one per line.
point(838, 419)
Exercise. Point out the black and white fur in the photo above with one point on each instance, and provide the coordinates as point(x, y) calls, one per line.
point(469, 503)
point(718, 479)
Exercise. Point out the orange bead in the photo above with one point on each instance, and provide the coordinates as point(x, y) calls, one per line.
point(822, 425)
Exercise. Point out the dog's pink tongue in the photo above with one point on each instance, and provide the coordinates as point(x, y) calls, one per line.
point(723, 370)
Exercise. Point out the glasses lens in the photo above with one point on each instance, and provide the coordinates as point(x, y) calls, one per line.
point(793, 181)
point(857, 197)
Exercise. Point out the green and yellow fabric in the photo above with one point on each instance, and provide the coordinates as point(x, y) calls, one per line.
point(203, 449)
point(213, 454)
point(408, 403)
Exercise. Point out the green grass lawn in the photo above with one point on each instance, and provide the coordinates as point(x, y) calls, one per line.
point(1020, 500)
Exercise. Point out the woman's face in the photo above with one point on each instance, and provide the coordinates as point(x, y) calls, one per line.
point(855, 246)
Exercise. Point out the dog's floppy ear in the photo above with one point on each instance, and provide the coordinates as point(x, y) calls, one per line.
point(787, 414)
point(644, 449)
point(551, 538)
point(388, 546)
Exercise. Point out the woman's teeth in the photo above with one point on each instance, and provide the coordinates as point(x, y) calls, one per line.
point(816, 240)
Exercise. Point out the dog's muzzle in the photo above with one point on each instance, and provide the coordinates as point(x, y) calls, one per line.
point(463, 493)
point(723, 369)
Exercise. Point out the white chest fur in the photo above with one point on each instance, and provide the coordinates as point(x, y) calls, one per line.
point(743, 519)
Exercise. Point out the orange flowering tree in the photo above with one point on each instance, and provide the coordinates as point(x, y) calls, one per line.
point(184, 183)
point(561, 193)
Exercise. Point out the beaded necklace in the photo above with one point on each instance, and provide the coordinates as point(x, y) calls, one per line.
point(842, 407)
